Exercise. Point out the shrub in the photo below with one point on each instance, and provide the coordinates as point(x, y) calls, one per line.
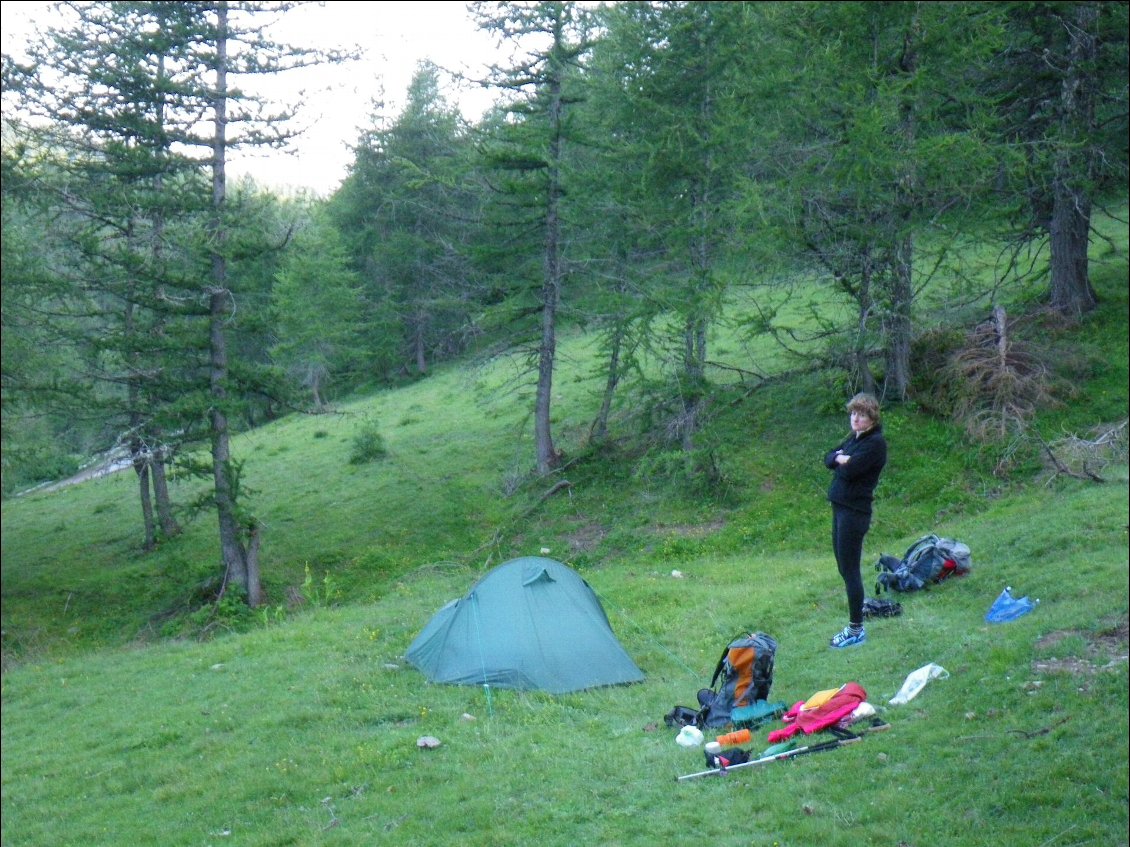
point(368, 444)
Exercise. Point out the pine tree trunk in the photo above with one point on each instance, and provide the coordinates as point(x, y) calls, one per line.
point(255, 589)
point(223, 474)
point(899, 326)
point(865, 379)
point(546, 453)
point(1071, 292)
point(899, 329)
point(547, 457)
point(225, 484)
point(600, 426)
point(169, 525)
point(694, 373)
point(316, 387)
point(418, 342)
point(141, 466)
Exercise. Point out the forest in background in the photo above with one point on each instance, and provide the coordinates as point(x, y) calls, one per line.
point(654, 174)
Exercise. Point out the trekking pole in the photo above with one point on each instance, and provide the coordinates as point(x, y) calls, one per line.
point(776, 757)
point(846, 738)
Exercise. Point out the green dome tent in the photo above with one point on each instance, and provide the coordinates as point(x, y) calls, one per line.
point(531, 623)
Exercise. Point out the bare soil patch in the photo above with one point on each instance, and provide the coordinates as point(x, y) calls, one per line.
point(586, 538)
point(1106, 650)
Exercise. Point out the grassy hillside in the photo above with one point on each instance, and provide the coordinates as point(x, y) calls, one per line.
point(305, 732)
point(297, 723)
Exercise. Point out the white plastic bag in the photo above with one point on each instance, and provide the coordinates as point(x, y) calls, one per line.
point(916, 681)
point(689, 736)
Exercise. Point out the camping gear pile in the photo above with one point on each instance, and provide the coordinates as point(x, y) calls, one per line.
point(841, 715)
point(929, 560)
point(738, 698)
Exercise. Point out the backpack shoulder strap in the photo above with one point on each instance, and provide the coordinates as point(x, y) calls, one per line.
point(718, 669)
point(722, 659)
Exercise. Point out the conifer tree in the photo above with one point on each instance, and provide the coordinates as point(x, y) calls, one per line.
point(1060, 84)
point(528, 155)
point(147, 100)
point(887, 139)
point(106, 81)
point(408, 211)
point(318, 313)
point(675, 112)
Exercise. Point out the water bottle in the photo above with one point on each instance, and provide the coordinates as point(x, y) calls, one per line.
point(733, 739)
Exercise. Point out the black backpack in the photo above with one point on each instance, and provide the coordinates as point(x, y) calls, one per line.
point(930, 559)
point(743, 676)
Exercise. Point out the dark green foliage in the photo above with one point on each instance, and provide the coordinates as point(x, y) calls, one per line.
point(788, 339)
point(933, 387)
point(408, 213)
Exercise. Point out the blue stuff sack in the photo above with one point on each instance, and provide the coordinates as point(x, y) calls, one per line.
point(1008, 608)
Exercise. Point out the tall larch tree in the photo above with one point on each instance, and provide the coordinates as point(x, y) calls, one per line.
point(318, 309)
point(528, 151)
point(151, 108)
point(105, 79)
point(408, 210)
point(676, 109)
point(885, 140)
point(234, 44)
point(1060, 83)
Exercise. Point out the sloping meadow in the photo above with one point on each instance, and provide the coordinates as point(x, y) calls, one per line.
point(307, 732)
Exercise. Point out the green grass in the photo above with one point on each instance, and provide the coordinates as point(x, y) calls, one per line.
point(297, 723)
point(305, 732)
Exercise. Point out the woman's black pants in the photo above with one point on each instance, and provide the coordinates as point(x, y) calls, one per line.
point(848, 529)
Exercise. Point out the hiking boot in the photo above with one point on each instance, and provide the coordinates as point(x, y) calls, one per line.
point(846, 638)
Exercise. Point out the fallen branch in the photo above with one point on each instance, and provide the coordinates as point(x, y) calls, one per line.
point(560, 486)
point(1038, 732)
point(1060, 467)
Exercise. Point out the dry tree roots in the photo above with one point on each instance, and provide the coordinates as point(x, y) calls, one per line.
point(1000, 383)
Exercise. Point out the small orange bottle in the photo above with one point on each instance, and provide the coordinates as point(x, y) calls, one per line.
point(732, 739)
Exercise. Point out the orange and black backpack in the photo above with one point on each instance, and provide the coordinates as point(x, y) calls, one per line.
point(743, 676)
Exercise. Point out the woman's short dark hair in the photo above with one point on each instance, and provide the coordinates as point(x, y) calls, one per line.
point(866, 404)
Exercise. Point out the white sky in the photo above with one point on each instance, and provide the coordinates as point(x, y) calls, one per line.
point(392, 36)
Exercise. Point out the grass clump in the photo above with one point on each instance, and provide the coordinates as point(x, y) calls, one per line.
point(368, 444)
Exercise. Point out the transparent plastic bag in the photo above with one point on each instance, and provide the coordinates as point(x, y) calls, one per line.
point(916, 681)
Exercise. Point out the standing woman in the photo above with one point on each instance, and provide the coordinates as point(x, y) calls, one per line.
point(855, 465)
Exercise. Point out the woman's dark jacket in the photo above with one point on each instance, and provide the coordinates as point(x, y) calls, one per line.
point(853, 485)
